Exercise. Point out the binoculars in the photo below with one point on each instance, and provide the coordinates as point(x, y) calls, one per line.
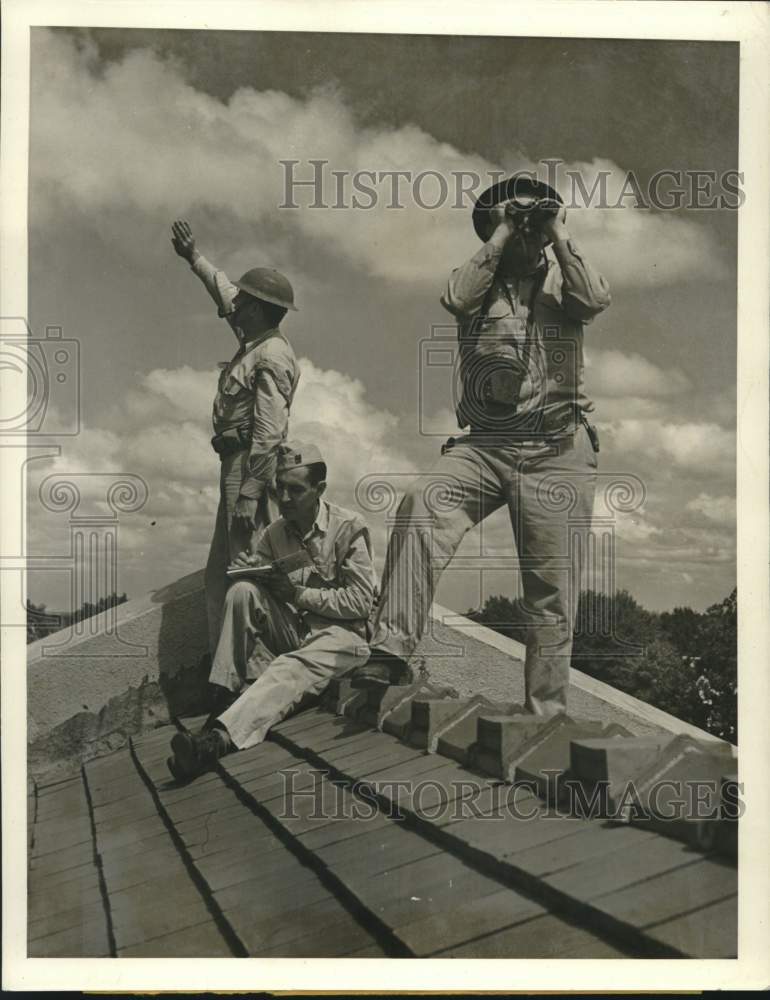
point(530, 212)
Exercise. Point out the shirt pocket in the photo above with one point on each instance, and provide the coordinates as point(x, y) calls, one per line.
point(234, 382)
point(325, 567)
point(495, 312)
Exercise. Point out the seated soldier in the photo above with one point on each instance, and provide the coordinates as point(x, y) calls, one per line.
point(286, 634)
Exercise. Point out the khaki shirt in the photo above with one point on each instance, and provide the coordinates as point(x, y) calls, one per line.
point(340, 586)
point(256, 387)
point(530, 327)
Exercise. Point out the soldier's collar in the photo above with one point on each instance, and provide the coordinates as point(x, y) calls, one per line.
point(320, 525)
point(322, 517)
point(247, 345)
point(542, 263)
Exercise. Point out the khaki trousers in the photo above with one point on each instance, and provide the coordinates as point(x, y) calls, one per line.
point(228, 541)
point(285, 657)
point(549, 492)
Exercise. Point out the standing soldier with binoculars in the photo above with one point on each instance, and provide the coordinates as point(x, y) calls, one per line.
point(528, 443)
point(251, 409)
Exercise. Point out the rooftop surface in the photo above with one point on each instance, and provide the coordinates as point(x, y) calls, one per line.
point(433, 820)
point(303, 846)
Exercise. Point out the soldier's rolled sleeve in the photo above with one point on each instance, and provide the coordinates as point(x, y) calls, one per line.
point(271, 419)
point(354, 599)
point(584, 291)
point(216, 282)
point(469, 284)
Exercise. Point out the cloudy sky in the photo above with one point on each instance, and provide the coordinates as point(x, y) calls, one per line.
point(133, 128)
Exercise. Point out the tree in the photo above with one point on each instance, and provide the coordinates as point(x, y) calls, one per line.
point(41, 623)
point(612, 632)
point(717, 667)
point(682, 661)
point(682, 628)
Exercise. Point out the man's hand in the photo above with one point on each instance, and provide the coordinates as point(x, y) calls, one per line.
point(554, 228)
point(501, 222)
point(244, 514)
point(245, 559)
point(279, 585)
point(183, 239)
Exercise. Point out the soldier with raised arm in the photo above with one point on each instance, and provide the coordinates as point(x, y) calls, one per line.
point(251, 408)
point(528, 444)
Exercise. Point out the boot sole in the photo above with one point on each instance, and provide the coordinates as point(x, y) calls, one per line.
point(184, 754)
point(176, 772)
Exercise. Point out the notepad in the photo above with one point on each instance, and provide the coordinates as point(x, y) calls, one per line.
point(239, 572)
point(295, 560)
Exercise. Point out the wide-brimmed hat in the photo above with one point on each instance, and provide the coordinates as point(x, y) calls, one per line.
point(521, 189)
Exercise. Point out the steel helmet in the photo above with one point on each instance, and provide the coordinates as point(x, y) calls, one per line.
point(522, 189)
point(268, 284)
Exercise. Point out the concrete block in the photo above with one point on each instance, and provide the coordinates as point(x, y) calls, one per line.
point(431, 715)
point(341, 698)
point(613, 763)
point(394, 712)
point(499, 737)
point(457, 735)
point(686, 793)
point(543, 760)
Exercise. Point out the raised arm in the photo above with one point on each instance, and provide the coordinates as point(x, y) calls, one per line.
point(216, 282)
point(584, 291)
point(464, 294)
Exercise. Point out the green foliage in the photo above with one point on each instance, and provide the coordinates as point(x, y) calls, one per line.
point(683, 661)
point(41, 622)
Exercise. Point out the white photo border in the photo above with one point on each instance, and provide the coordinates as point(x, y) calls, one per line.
point(746, 23)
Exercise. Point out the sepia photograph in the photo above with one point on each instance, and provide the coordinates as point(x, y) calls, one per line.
point(385, 494)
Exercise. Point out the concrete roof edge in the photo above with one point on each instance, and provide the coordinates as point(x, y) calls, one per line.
point(605, 692)
point(125, 612)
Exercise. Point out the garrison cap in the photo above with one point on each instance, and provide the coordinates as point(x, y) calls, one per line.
point(295, 454)
point(522, 189)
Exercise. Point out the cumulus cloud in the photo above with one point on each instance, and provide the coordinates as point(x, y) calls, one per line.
point(130, 144)
point(720, 509)
point(639, 247)
point(701, 449)
point(164, 440)
point(617, 374)
point(133, 136)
